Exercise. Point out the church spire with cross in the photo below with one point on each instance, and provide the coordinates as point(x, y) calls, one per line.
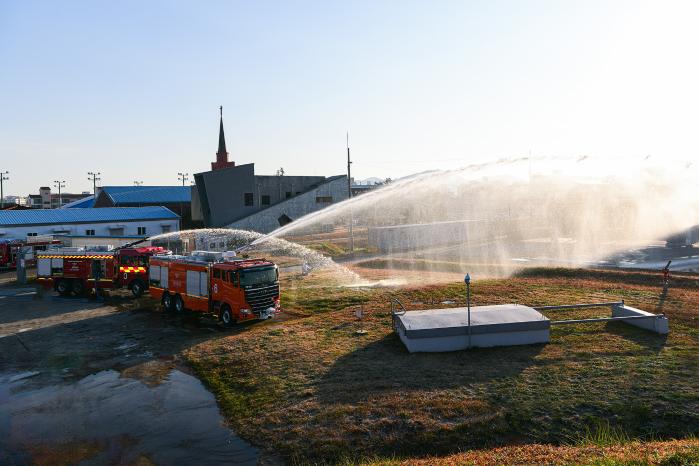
point(222, 154)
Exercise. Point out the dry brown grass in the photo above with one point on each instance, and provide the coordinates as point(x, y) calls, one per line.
point(317, 392)
point(674, 452)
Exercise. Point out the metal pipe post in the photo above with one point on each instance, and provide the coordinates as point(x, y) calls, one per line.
point(467, 279)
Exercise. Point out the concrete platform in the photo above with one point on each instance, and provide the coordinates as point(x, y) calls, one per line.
point(437, 330)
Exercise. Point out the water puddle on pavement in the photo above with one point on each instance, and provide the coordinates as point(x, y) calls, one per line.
point(113, 418)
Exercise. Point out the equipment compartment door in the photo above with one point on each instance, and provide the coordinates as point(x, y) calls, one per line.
point(43, 267)
point(203, 284)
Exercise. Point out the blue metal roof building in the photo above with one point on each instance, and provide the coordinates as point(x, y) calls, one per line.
point(64, 216)
point(83, 203)
point(142, 195)
point(176, 198)
point(91, 222)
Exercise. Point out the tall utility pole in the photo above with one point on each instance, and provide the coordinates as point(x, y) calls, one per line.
point(349, 171)
point(92, 176)
point(2, 192)
point(183, 177)
point(59, 185)
point(349, 196)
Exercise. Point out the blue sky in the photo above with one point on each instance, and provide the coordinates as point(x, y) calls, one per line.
point(132, 88)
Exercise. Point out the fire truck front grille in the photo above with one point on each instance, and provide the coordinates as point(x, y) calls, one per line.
point(262, 297)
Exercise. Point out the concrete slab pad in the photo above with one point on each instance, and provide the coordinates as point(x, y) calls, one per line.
point(435, 330)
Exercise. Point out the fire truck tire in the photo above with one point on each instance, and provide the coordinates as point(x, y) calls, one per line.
point(227, 316)
point(78, 288)
point(167, 301)
point(137, 288)
point(178, 304)
point(63, 287)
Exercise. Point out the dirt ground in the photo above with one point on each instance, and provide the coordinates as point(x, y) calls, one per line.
point(58, 335)
point(65, 360)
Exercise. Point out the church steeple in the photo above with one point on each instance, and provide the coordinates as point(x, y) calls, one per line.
point(222, 154)
point(221, 137)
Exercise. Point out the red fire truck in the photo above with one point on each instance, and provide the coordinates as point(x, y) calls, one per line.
point(232, 289)
point(75, 270)
point(10, 249)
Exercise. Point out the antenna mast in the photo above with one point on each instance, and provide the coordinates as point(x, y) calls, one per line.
point(349, 196)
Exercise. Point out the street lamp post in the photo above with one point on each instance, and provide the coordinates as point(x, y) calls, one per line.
point(183, 177)
point(59, 184)
point(467, 280)
point(2, 192)
point(93, 177)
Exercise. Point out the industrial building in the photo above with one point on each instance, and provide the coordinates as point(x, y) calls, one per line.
point(118, 224)
point(48, 200)
point(176, 198)
point(234, 196)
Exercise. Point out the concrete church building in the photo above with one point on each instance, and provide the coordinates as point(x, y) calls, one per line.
point(234, 196)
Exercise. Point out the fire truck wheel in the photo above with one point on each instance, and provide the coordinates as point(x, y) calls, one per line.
point(227, 316)
point(167, 301)
point(137, 288)
point(63, 287)
point(78, 288)
point(179, 304)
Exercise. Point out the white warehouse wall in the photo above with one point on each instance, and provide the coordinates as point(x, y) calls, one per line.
point(130, 228)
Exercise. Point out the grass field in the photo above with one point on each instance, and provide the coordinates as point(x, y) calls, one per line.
point(313, 391)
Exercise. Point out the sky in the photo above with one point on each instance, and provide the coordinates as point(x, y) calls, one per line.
point(131, 89)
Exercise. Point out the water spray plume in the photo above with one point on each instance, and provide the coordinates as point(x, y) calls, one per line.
point(285, 253)
point(498, 216)
point(490, 218)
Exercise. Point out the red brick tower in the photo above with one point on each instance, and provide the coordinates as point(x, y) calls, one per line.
point(222, 154)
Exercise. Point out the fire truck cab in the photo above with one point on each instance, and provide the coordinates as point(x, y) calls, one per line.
point(132, 267)
point(232, 289)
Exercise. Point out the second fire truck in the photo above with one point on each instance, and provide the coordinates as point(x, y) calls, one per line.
point(232, 289)
point(75, 270)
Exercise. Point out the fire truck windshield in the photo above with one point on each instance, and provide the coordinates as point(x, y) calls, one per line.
point(257, 276)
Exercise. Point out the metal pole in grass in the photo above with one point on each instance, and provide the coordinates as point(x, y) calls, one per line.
point(359, 314)
point(467, 280)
